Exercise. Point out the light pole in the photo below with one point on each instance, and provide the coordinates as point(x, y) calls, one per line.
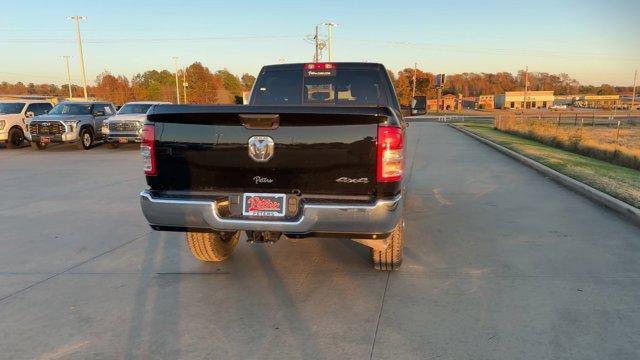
point(175, 62)
point(633, 96)
point(316, 58)
point(413, 90)
point(329, 26)
point(184, 84)
point(84, 75)
point(66, 58)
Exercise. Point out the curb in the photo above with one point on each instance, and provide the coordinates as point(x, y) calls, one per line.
point(630, 212)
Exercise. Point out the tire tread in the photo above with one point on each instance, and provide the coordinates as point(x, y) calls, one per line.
point(210, 246)
point(391, 258)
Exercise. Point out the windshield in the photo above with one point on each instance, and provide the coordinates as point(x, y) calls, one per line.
point(71, 109)
point(134, 109)
point(11, 108)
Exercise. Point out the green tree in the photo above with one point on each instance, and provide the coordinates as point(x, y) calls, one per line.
point(247, 81)
point(230, 82)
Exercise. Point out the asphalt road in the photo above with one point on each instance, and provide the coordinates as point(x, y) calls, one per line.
point(500, 263)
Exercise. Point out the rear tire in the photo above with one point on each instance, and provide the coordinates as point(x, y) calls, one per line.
point(85, 140)
point(16, 138)
point(37, 145)
point(391, 257)
point(212, 247)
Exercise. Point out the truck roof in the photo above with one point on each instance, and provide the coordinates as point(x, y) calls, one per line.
point(29, 101)
point(350, 65)
point(88, 102)
point(146, 103)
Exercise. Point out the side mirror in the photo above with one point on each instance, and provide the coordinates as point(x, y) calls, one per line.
point(98, 113)
point(29, 114)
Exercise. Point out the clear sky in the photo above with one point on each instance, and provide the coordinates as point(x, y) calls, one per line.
point(594, 41)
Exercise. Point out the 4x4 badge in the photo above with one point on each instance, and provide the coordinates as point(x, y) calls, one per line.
point(260, 148)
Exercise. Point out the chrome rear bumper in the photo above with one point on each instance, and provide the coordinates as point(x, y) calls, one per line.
point(376, 218)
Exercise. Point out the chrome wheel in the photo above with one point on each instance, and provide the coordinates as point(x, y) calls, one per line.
point(86, 139)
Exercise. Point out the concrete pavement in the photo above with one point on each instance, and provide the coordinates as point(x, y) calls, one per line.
point(500, 263)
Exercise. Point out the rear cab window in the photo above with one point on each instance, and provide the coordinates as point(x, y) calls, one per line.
point(321, 84)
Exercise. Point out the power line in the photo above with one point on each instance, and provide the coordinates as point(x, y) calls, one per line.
point(66, 59)
point(151, 40)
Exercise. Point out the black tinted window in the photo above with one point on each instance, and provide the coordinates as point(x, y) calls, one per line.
point(44, 108)
point(347, 87)
point(134, 109)
point(11, 108)
point(340, 87)
point(39, 108)
point(34, 108)
point(106, 109)
point(71, 109)
point(279, 87)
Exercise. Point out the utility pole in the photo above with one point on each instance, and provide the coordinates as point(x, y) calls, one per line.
point(413, 91)
point(330, 26)
point(66, 58)
point(184, 84)
point(633, 97)
point(316, 57)
point(175, 62)
point(84, 74)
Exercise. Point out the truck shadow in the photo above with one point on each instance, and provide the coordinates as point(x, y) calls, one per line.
point(155, 315)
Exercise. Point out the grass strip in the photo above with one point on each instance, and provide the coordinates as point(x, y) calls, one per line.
point(618, 181)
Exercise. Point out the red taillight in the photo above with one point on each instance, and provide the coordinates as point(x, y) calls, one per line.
point(320, 66)
point(148, 150)
point(390, 154)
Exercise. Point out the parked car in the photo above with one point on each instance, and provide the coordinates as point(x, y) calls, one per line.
point(126, 125)
point(70, 122)
point(14, 115)
point(317, 152)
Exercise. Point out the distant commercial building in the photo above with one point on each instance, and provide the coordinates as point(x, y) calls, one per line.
point(486, 102)
point(470, 102)
point(516, 100)
point(564, 100)
point(52, 98)
point(447, 102)
point(626, 102)
point(599, 101)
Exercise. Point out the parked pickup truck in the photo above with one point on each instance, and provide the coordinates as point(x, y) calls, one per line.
point(70, 122)
point(14, 115)
point(126, 126)
point(318, 152)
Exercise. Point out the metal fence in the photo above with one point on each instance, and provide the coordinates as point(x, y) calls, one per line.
point(593, 119)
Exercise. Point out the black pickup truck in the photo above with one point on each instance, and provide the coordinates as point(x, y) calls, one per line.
point(318, 152)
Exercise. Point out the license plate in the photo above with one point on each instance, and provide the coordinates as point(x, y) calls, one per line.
point(263, 204)
point(123, 140)
point(45, 139)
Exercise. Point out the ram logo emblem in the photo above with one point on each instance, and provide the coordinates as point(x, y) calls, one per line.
point(260, 148)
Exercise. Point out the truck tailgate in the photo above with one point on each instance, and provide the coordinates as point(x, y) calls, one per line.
point(316, 150)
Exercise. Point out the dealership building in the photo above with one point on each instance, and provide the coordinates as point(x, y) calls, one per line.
point(599, 101)
point(518, 100)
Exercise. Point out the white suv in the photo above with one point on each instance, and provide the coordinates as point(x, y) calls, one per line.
point(14, 115)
